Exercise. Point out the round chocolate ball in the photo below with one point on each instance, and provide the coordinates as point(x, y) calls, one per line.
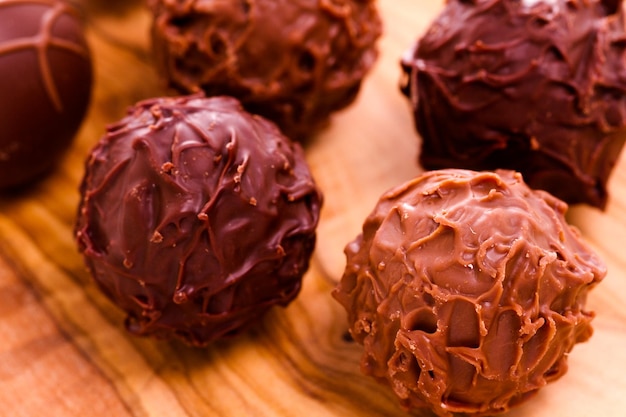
point(536, 86)
point(45, 86)
point(196, 217)
point(292, 61)
point(467, 290)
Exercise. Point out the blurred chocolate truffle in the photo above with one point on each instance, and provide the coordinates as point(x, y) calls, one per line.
point(468, 291)
point(196, 217)
point(536, 86)
point(45, 86)
point(292, 61)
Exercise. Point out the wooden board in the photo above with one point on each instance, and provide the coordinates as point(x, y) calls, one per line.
point(64, 352)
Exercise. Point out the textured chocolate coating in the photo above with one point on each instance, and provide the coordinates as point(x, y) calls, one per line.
point(534, 86)
point(467, 291)
point(196, 217)
point(292, 61)
point(45, 85)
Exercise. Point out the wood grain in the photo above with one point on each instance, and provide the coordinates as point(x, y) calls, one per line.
point(64, 352)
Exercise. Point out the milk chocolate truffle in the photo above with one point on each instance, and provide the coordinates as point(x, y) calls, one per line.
point(196, 217)
point(45, 85)
point(292, 61)
point(467, 291)
point(529, 85)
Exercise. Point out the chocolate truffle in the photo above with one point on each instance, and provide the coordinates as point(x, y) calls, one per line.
point(467, 291)
point(292, 61)
point(196, 217)
point(45, 85)
point(533, 86)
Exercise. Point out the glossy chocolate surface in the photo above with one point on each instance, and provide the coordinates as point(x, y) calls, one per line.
point(292, 61)
point(45, 85)
point(467, 291)
point(534, 86)
point(196, 217)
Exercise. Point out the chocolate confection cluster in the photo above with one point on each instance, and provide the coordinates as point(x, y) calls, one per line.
point(536, 86)
point(45, 86)
point(196, 217)
point(292, 61)
point(467, 290)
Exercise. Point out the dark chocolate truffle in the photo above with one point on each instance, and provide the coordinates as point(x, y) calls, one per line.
point(196, 217)
point(468, 291)
point(45, 85)
point(292, 61)
point(536, 86)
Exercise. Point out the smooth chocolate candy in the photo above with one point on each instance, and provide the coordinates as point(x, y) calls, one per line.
point(45, 86)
